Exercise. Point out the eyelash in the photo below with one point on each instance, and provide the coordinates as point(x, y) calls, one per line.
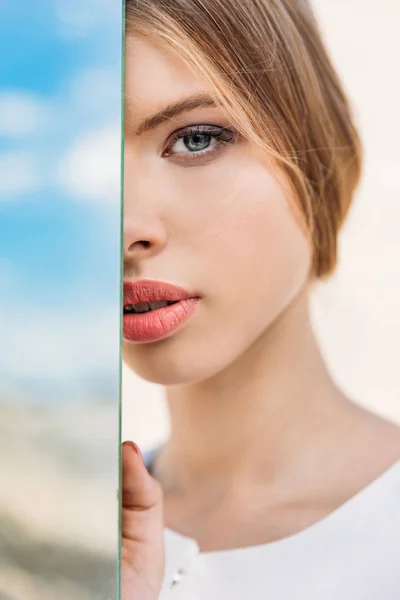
point(222, 135)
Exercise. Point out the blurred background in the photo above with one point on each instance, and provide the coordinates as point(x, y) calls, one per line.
point(356, 313)
point(60, 141)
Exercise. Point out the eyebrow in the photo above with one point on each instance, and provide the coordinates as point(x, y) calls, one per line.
point(174, 109)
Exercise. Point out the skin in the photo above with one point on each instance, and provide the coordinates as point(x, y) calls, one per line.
point(261, 437)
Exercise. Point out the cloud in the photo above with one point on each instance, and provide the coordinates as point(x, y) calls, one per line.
point(57, 345)
point(90, 170)
point(63, 141)
point(78, 18)
point(96, 92)
point(22, 114)
point(19, 174)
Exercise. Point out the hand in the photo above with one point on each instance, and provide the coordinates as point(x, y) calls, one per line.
point(142, 556)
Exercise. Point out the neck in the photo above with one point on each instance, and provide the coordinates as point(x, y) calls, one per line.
point(262, 411)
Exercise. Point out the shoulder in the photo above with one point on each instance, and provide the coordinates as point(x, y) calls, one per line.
point(374, 443)
point(384, 439)
point(376, 474)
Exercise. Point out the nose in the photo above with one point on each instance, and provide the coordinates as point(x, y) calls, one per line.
point(144, 230)
point(144, 237)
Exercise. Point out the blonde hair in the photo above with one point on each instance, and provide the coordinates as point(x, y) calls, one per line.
point(268, 66)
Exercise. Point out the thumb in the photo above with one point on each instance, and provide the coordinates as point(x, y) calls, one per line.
point(142, 526)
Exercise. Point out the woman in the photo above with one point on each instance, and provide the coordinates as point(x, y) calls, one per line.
point(241, 162)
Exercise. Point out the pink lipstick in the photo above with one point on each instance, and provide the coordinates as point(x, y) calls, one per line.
point(153, 310)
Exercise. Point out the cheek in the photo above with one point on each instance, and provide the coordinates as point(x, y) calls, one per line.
point(243, 235)
point(264, 259)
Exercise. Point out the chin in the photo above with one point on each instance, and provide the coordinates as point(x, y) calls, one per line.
point(167, 373)
point(169, 362)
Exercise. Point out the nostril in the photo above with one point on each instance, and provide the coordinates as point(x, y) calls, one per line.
point(139, 248)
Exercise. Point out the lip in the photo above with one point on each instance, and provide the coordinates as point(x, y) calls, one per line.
point(157, 324)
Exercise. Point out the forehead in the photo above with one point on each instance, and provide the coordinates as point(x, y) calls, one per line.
point(155, 77)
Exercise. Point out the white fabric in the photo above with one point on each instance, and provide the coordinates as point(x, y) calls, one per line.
point(353, 554)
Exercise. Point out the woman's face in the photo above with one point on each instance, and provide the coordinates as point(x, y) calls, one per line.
point(204, 211)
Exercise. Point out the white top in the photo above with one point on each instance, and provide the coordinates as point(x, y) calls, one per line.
point(352, 554)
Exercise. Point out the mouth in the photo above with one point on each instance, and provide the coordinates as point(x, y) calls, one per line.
point(154, 310)
point(145, 307)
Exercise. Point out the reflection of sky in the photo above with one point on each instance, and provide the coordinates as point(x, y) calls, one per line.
point(60, 82)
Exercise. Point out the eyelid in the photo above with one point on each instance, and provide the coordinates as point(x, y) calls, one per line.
point(205, 129)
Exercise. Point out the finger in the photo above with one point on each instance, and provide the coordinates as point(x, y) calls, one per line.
point(139, 489)
point(142, 518)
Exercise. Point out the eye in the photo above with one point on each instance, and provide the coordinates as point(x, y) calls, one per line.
point(193, 143)
point(197, 142)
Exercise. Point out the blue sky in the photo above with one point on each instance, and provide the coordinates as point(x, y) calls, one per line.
point(60, 119)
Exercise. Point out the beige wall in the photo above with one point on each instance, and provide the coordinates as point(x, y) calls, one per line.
point(357, 313)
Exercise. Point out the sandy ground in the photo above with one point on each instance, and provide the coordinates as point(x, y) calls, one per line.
point(356, 314)
point(58, 503)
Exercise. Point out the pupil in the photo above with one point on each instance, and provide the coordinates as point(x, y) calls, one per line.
point(196, 142)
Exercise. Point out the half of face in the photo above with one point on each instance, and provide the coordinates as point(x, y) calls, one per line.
point(206, 217)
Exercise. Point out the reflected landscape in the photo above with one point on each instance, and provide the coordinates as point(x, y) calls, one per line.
point(58, 516)
point(60, 191)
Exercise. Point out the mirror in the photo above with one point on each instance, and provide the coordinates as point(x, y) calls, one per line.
point(60, 153)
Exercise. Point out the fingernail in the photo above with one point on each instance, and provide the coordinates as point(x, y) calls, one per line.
point(135, 448)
